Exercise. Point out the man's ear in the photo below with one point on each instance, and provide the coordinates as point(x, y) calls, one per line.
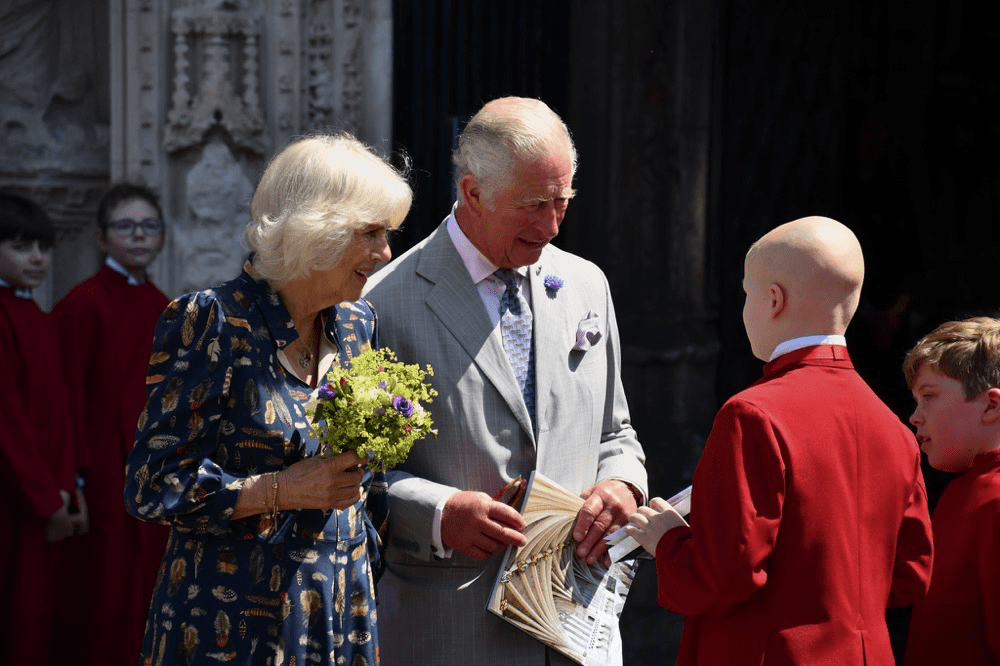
point(991, 408)
point(472, 194)
point(777, 295)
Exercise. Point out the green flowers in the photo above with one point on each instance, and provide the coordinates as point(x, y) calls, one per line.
point(375, 408)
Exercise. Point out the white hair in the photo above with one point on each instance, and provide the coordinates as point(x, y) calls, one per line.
point(312, 197)
point(505, 133)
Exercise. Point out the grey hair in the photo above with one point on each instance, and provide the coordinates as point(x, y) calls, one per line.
point(504, 133)
point(312, 197)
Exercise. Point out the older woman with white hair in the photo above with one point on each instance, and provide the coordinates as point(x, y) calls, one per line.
point(273, 550)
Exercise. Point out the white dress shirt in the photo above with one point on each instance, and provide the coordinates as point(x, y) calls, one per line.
point(114, 265)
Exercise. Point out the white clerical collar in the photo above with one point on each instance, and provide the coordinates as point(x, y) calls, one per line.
point(807, 341)
point(479, 266)
point(114, 265)
point(18, 291)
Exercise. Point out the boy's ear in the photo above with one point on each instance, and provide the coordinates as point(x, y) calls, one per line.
point(991, 412)
point(777, 295)
point(100, 235)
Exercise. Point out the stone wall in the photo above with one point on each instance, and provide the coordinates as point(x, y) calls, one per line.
point(190, 97)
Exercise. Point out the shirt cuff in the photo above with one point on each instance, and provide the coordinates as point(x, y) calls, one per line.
point(437, 545)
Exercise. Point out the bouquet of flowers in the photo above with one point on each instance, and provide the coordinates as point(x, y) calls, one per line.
point(374, 408)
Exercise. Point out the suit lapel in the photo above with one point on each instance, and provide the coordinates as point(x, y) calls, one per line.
point(456, 303)
point(546, 326)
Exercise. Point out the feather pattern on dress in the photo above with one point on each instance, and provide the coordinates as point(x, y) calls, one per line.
point(190, 317)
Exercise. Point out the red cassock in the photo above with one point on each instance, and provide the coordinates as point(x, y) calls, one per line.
point(959, 620)
point(107, 329)
point(808, 518)
point(37, 460)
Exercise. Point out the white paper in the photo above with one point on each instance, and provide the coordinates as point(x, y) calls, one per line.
point(621, 544)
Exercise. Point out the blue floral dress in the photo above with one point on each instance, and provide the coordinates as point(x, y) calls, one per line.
point(221, 407)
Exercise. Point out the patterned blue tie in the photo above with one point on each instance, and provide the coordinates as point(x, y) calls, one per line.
point(515, 327)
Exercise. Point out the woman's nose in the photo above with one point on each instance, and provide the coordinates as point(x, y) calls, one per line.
point(382, 253)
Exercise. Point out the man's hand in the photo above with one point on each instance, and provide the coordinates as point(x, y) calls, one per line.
point(475, 525)
point(650, 523)
point(607, 507)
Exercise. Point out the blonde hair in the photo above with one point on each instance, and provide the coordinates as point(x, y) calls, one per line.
point(507, 132)
point(312, 197)
point(968, 351)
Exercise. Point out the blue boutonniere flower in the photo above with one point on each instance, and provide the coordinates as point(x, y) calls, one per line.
point(553, 283)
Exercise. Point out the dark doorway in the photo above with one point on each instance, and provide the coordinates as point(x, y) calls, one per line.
point(450, 57)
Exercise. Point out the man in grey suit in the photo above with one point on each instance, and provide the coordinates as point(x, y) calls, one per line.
point(558, 408)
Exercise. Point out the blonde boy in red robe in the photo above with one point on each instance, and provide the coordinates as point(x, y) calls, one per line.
point(42, 507)
point(954, 373)
point(808, 508)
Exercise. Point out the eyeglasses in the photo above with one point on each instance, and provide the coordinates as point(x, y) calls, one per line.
point(126, 227)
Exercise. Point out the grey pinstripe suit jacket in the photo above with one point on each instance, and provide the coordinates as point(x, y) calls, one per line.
point(431, 610)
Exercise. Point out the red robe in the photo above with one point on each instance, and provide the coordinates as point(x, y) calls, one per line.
point(808, 518)
point(107, 336)
point(37, 460)
point(959, 621)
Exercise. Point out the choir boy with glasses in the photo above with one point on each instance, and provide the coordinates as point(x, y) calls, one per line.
point(107, 325)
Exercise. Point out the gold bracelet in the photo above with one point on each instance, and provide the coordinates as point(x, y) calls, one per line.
point(274, 506)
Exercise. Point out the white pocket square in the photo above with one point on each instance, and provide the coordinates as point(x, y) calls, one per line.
point(588, 332)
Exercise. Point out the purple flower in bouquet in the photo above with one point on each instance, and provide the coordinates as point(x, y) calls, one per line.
point(402, 406)
point(553, 282)
point(327, 392)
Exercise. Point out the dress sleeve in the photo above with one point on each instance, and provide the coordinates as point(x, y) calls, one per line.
point(911, 573)
point(736, 508)
point(174, 473)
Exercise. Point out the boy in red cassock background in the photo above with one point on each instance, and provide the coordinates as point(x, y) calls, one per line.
point(107, 325)
point(954, 374)
point(40, 450)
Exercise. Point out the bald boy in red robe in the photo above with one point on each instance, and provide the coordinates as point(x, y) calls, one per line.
point(808, 508)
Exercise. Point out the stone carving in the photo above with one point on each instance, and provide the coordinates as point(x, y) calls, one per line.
point(334, 59)
point(48, 119)
point(320, 89)
point(353, 88)
point(218, 199)
point(212, 92)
